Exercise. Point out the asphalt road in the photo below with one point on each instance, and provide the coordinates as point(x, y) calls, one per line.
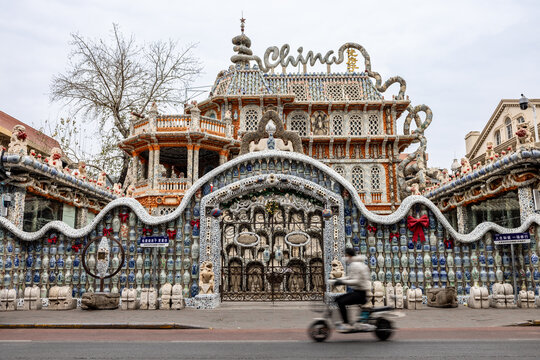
point(59, 344)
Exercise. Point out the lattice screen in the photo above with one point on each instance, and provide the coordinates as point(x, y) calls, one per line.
point(358, 178)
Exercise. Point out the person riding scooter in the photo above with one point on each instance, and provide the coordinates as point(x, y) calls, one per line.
point(358, 279)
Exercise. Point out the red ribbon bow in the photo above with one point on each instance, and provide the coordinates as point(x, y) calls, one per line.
point(196, 223)
point(123, 217)
point(76, 247)
point(393, 235)
point(171, 234)
point(147, 231)
point(107, 232)
point(416, 226)
point(371, 228)
point(52, 239)
point(22, 136)
point(449, 243)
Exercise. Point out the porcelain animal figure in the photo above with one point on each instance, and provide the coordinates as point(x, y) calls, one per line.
point(102, 180)
point(130, 190)
point(524, 136)
point(18, 143)
point(490, 154)
point(117, 189)
point(465, 166)
point(55, 160)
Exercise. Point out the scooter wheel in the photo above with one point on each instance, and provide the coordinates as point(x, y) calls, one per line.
point(384, 329)
point(319, 331)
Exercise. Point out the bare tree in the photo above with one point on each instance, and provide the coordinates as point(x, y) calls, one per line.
point(105, 81)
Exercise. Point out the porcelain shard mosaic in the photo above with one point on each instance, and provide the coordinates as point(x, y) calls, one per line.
point(265, 226)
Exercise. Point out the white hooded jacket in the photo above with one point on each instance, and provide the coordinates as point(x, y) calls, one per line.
point(358, 277)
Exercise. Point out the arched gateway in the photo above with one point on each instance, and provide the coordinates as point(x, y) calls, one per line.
point(272, 234)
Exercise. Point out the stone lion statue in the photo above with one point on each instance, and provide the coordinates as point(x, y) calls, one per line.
point(524, 135)
point(337, 272)
point(206, 279)
point(18, 143)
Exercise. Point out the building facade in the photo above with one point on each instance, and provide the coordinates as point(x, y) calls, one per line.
point(259, 189)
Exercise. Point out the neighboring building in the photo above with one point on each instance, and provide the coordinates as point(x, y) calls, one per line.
point(37, 140)
point(35, 185)
point(500, 174)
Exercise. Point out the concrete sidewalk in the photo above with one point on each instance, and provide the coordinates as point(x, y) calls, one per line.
point(253, 316)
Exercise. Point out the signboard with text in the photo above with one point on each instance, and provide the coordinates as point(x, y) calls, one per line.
point(154, 241)
point(507, 239)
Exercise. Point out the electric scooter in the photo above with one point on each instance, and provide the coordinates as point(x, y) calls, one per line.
point(376, 320)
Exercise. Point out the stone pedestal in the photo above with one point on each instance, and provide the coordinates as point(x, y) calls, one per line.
point(100, 301)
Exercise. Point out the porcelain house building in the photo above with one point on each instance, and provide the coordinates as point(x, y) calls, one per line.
point(254, 193)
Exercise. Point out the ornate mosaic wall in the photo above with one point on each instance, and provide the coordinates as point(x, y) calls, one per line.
point(394, 244)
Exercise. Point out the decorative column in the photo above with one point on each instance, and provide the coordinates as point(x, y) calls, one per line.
point(150, 172)
point(189, 174)
point(156, 168)
point(134, 168)
point(461, 219)
point(196, 162)
point(16, 209)
point(223, 156)
point(82, 217)
point(526, 202)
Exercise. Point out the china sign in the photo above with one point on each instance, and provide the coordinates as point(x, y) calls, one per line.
point(505, 239)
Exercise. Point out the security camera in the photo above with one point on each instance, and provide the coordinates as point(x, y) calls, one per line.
point(523, 102)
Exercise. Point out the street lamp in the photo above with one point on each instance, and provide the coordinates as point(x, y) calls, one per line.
point(524, 104)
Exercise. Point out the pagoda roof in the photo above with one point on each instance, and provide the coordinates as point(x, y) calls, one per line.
point(309, 87)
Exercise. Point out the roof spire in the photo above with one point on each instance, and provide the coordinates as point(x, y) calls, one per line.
point(242, 23)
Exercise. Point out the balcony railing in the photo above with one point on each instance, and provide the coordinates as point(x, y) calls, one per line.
point(173, 122)
point(183, 122)
point(376, 197)
point(173, 185)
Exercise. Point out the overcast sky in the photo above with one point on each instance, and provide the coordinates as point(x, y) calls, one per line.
point(458, 57)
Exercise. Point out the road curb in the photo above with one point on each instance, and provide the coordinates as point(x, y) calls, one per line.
point(528, 323)
point(101, 326)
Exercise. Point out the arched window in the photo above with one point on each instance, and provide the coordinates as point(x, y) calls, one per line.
point(355, 123)
point(520, 120)
point(375, 179)
point(298, 122)
point(509, 132)
point(211, 114)
point(340, 170)
point(250, 118)
point(497, 137)
point(337, 124)
point(358, 178)
point(373, 123)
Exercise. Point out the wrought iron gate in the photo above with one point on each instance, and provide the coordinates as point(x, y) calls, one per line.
point(272, 252)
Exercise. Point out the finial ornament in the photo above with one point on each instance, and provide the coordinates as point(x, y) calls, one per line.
point(242, 23)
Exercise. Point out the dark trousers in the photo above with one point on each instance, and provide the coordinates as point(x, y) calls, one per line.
point(352, 298)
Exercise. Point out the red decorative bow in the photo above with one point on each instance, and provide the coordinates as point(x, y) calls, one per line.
point(394, 235)
point(147, 231)
point(171, 234)
point(123, 217)
point(107, 232)
point(371, 228)
point(416, 226)
point(196, 223)
point(52, 239)
point(22, 136)
point(449, 243)
point(76, 247)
